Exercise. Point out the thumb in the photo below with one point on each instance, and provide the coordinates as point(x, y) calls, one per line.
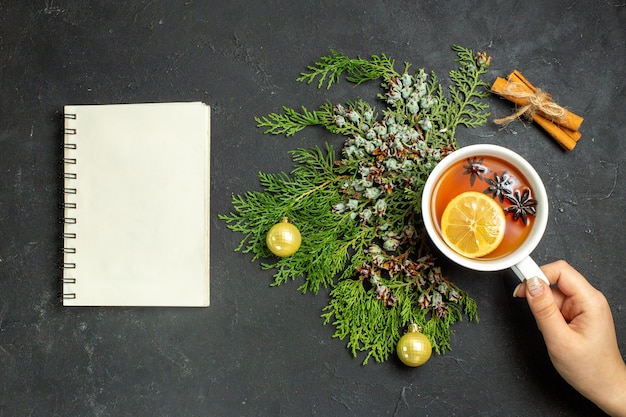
point(543, 306)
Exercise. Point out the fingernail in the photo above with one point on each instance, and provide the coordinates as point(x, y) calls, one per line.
point(516, 289)
point(535, 286)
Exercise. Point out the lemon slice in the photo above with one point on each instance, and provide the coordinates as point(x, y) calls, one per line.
point(473, 224)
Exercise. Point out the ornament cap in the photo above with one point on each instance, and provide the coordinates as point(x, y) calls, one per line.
point(414, 327)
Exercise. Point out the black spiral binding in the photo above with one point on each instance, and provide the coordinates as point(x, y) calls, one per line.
point(68, 161)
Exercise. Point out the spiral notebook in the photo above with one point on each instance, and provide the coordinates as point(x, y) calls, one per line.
point(136, 205)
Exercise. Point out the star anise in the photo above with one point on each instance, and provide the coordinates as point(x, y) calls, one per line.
point(499, 186)
point(522, 205)
point(475, 169)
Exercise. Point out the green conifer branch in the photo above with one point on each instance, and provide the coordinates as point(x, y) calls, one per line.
point(358, 212)
point(468, 88)
point(330, 68)
point(291, 121)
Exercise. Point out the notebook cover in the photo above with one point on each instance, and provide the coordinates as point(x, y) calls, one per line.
point(136, 217)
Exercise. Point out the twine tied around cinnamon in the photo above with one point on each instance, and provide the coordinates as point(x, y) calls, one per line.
point(537, 105)
point(539, 101)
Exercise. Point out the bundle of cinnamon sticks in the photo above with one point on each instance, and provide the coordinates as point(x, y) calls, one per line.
point(537, 105)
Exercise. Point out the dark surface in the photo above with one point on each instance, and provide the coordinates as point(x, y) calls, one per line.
point(261, 351)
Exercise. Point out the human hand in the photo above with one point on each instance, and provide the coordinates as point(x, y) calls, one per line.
point(577, 326)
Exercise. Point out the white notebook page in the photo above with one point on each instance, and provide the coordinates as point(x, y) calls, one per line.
point(142, 205)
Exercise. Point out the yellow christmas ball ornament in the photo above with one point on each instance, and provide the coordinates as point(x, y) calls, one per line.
point(414, 348)
point(283, 239)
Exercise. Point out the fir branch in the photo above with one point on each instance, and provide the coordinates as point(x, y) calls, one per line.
point(291, 121)
point(367, 323)
point(468, 89)
point(358, 212)
point(330, 68)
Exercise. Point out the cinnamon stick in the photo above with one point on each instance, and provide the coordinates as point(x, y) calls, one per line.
point(558, 122)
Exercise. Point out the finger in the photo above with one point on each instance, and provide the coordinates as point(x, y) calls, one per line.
point(520, 290)
point(568, 280)
point(545, 309)
point(559, 297)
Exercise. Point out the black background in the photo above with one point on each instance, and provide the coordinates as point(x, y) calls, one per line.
point(261, 351)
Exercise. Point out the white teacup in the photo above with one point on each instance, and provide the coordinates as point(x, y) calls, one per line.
point(518, 259)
